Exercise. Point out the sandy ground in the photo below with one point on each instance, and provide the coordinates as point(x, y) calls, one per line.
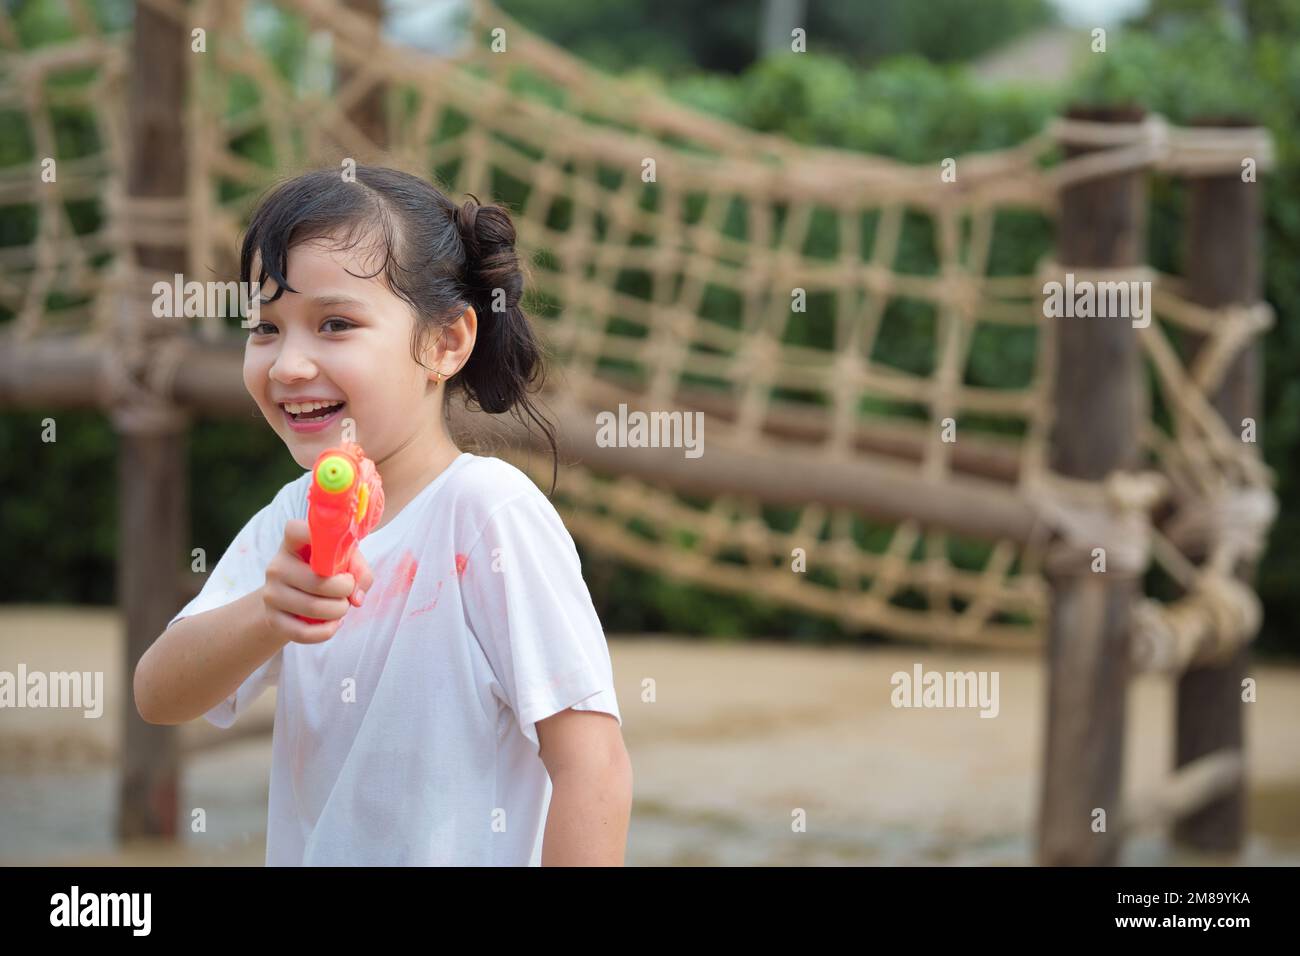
point(735, 740)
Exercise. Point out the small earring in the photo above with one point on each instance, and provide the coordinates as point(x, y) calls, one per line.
point(437, 377)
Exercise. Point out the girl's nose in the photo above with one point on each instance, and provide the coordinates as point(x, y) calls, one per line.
point(292, 365)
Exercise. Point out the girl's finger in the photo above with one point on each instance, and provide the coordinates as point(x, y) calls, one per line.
point(301, 632)
point(296, 533)
point(359, 568)
point(304, 579)
point(306, 604)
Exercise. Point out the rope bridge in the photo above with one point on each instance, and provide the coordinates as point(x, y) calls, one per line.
point(895, 425)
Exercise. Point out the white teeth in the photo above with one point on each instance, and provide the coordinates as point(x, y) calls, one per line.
point(297, 408)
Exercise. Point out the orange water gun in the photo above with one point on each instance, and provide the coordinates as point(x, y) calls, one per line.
point(345, 502)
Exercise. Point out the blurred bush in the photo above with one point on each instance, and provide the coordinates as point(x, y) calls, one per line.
point(671, 37)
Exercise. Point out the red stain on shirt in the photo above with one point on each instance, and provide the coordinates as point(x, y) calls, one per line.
point(431, 605)
point(403, 578)
point(461, 561)
point(406, 570)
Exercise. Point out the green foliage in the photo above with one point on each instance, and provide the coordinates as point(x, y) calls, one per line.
point(944, 31)
point(58, 507)
point(672, 37)
point(906, 108)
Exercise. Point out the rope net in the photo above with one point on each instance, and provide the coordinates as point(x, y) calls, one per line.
point(680, 262)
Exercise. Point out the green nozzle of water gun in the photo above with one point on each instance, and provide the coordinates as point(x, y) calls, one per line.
point(335, 474)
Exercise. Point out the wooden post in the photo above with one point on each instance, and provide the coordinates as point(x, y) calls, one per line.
point(1223, 229)
point(1099, 403)
point(368, 113)
point(151, 464)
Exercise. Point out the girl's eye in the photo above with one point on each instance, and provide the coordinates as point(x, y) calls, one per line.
point(258, 329)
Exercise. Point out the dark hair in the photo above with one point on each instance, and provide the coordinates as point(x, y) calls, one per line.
point(437, 256)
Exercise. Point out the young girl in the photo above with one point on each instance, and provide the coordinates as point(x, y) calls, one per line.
point(457, 704)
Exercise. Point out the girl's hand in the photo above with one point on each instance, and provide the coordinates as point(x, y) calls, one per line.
point(293, 590)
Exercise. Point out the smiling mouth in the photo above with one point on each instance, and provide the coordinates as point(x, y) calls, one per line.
point(315, 414)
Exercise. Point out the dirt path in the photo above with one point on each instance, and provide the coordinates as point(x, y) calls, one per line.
point(734, 742)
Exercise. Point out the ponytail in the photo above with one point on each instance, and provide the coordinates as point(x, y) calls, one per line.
point(506, 362)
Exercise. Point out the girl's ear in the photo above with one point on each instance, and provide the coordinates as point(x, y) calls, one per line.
point(455, 342)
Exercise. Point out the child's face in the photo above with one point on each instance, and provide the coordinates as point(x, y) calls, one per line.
point(339, 338)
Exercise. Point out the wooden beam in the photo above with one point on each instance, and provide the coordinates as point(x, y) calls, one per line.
point(1098, 404)
point(1222, 231)
point(152, 487)
point(885, 490)
point(44, 373)
point(807, 424)
point(882, 485)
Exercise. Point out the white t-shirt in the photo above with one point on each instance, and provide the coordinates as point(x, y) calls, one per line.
point(408, 737)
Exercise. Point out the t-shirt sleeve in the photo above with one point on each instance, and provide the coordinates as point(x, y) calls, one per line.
point(526, 602)
point(241, 570)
